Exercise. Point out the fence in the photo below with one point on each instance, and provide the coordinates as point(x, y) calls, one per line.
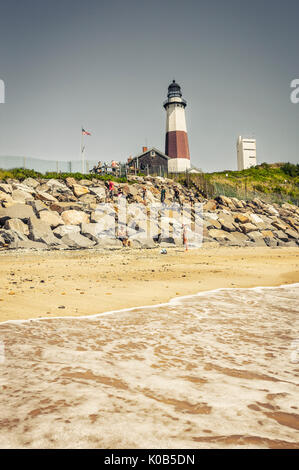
point(43, 166)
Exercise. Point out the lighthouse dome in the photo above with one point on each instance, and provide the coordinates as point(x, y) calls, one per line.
point(174, 89)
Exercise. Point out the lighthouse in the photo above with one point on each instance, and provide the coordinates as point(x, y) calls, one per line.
point(176, 143)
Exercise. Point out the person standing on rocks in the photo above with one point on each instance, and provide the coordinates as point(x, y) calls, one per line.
point(163, 193)
point(144, 193)
point(176, 195)
point(106, 191)
point(111, 189)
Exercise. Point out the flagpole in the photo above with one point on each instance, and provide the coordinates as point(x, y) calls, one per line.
point(82, 152)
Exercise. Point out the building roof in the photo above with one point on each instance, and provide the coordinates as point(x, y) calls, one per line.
point(149, 150)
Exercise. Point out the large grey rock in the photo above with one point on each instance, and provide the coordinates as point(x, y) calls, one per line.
point(7, 237)
point(6, 188)
point(292, 233)
point(218, 234)
point(17, 211)
point(281, 235)
point(255, 236)
point(73, 217)
point(40, 231)
point(80, 190)
point(76, 240)
point(23, 187)
point(102, 217)
point(99, 192)
point(51, 218)
point(21, 196)
point(65, 230)
point(31, 182)
point(211, 223)
point(57, 185)
point(92, 231)
point(37, 206)
point(88, 199)
point(247, 228)
point(17, 225)
point(65, 206)
point(43, 196)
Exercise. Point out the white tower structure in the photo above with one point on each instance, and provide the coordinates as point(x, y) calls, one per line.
point(176, 144)
point(246, 151)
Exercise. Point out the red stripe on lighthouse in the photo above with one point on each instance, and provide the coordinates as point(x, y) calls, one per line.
point(176, 145)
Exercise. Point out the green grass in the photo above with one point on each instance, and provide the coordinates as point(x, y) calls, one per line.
point(273, 183)
point(21, 174)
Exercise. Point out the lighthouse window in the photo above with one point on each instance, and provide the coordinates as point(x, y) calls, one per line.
point(152, 153)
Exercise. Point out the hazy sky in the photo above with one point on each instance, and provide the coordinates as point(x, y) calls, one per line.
point(106, 65)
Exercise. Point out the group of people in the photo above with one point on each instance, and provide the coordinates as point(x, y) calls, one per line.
point(176, 197)
point(104, 168)
point(110, 193)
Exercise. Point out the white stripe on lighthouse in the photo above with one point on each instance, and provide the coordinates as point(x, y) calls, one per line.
point(176, 119)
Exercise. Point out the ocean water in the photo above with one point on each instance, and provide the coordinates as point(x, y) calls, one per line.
point(214, 370)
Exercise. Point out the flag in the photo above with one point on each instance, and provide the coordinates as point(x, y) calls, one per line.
point(84, 132)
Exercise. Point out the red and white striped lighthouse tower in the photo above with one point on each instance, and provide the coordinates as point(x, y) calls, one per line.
point(176, 145)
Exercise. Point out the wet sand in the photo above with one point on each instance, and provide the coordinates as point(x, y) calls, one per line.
point(76, 283)
point(212, 371)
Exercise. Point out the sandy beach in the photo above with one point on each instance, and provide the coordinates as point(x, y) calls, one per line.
point(216, 370)
point(76, 283)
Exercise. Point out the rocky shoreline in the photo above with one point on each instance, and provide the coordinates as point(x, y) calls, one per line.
point(52, 214)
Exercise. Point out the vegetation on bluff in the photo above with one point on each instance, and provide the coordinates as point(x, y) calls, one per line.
point(273, 183)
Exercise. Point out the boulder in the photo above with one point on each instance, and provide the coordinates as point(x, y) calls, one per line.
point(79, 190)
point(99, 192)
point(226, 201)
point(40, 231)
point(23, 187)
point(7, 237)
point(267, 234)
point(73, 217)
point(86, 182)
point(247, 228)
point(279, 225)
point(218, 234)
point(256, 219)
point(51, 218)
point(16, 225)
point(76, 240)
point(17, 211)
point(227, 222)
point(65, 230)
point(31, 182)
point(65, 206)
point(37, 206)
point(210, 205)
point(56, 185)
point(6, 188)
point(43, 196)
point(70, 182)
point(255, 236)
point(210, 223)
point(88, 199)
point(292, 233)
point(281, 235)
point(92, 231)
point(242, 218)
point(21, 196)
point(238, 237)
